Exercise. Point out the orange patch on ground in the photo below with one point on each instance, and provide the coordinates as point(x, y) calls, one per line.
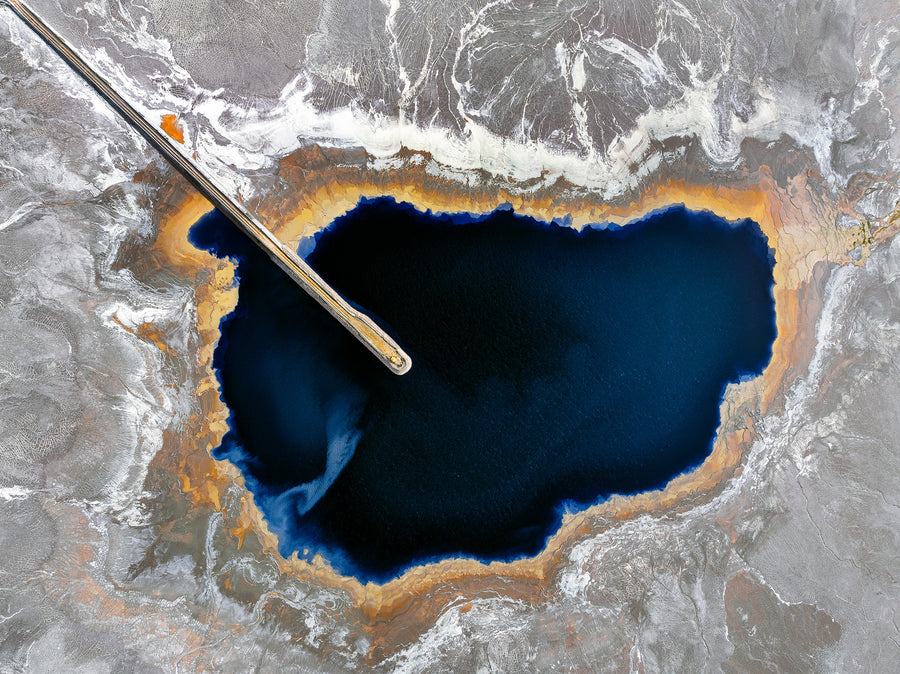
point(172, 128)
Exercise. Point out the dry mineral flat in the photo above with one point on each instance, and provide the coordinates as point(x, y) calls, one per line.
point(126, 546)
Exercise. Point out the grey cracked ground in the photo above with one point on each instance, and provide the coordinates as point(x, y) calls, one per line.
point(791, 567)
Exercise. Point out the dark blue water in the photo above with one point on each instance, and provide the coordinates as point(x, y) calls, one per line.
point(551, 368)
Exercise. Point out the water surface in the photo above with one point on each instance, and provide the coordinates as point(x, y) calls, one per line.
point(551, 368)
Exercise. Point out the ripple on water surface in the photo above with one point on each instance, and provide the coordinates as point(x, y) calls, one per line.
point(551, 368)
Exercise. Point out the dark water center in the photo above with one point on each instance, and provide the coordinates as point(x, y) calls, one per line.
point(551, 368)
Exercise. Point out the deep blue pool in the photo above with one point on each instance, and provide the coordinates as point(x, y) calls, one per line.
point(551, 368)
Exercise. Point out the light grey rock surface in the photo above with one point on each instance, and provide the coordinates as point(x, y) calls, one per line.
point(793, 566)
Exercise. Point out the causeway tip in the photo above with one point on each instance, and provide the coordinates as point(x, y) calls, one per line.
point(399, 363)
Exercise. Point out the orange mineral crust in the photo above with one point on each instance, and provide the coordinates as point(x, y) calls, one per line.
point(319, 185)
point(172, 128)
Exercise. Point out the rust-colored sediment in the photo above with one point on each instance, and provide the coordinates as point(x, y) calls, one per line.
point(797, 220)
point(173, 128)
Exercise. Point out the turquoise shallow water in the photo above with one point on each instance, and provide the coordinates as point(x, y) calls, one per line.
point(551, 369)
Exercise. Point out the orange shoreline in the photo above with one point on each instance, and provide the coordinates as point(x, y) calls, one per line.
point(797, 220)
